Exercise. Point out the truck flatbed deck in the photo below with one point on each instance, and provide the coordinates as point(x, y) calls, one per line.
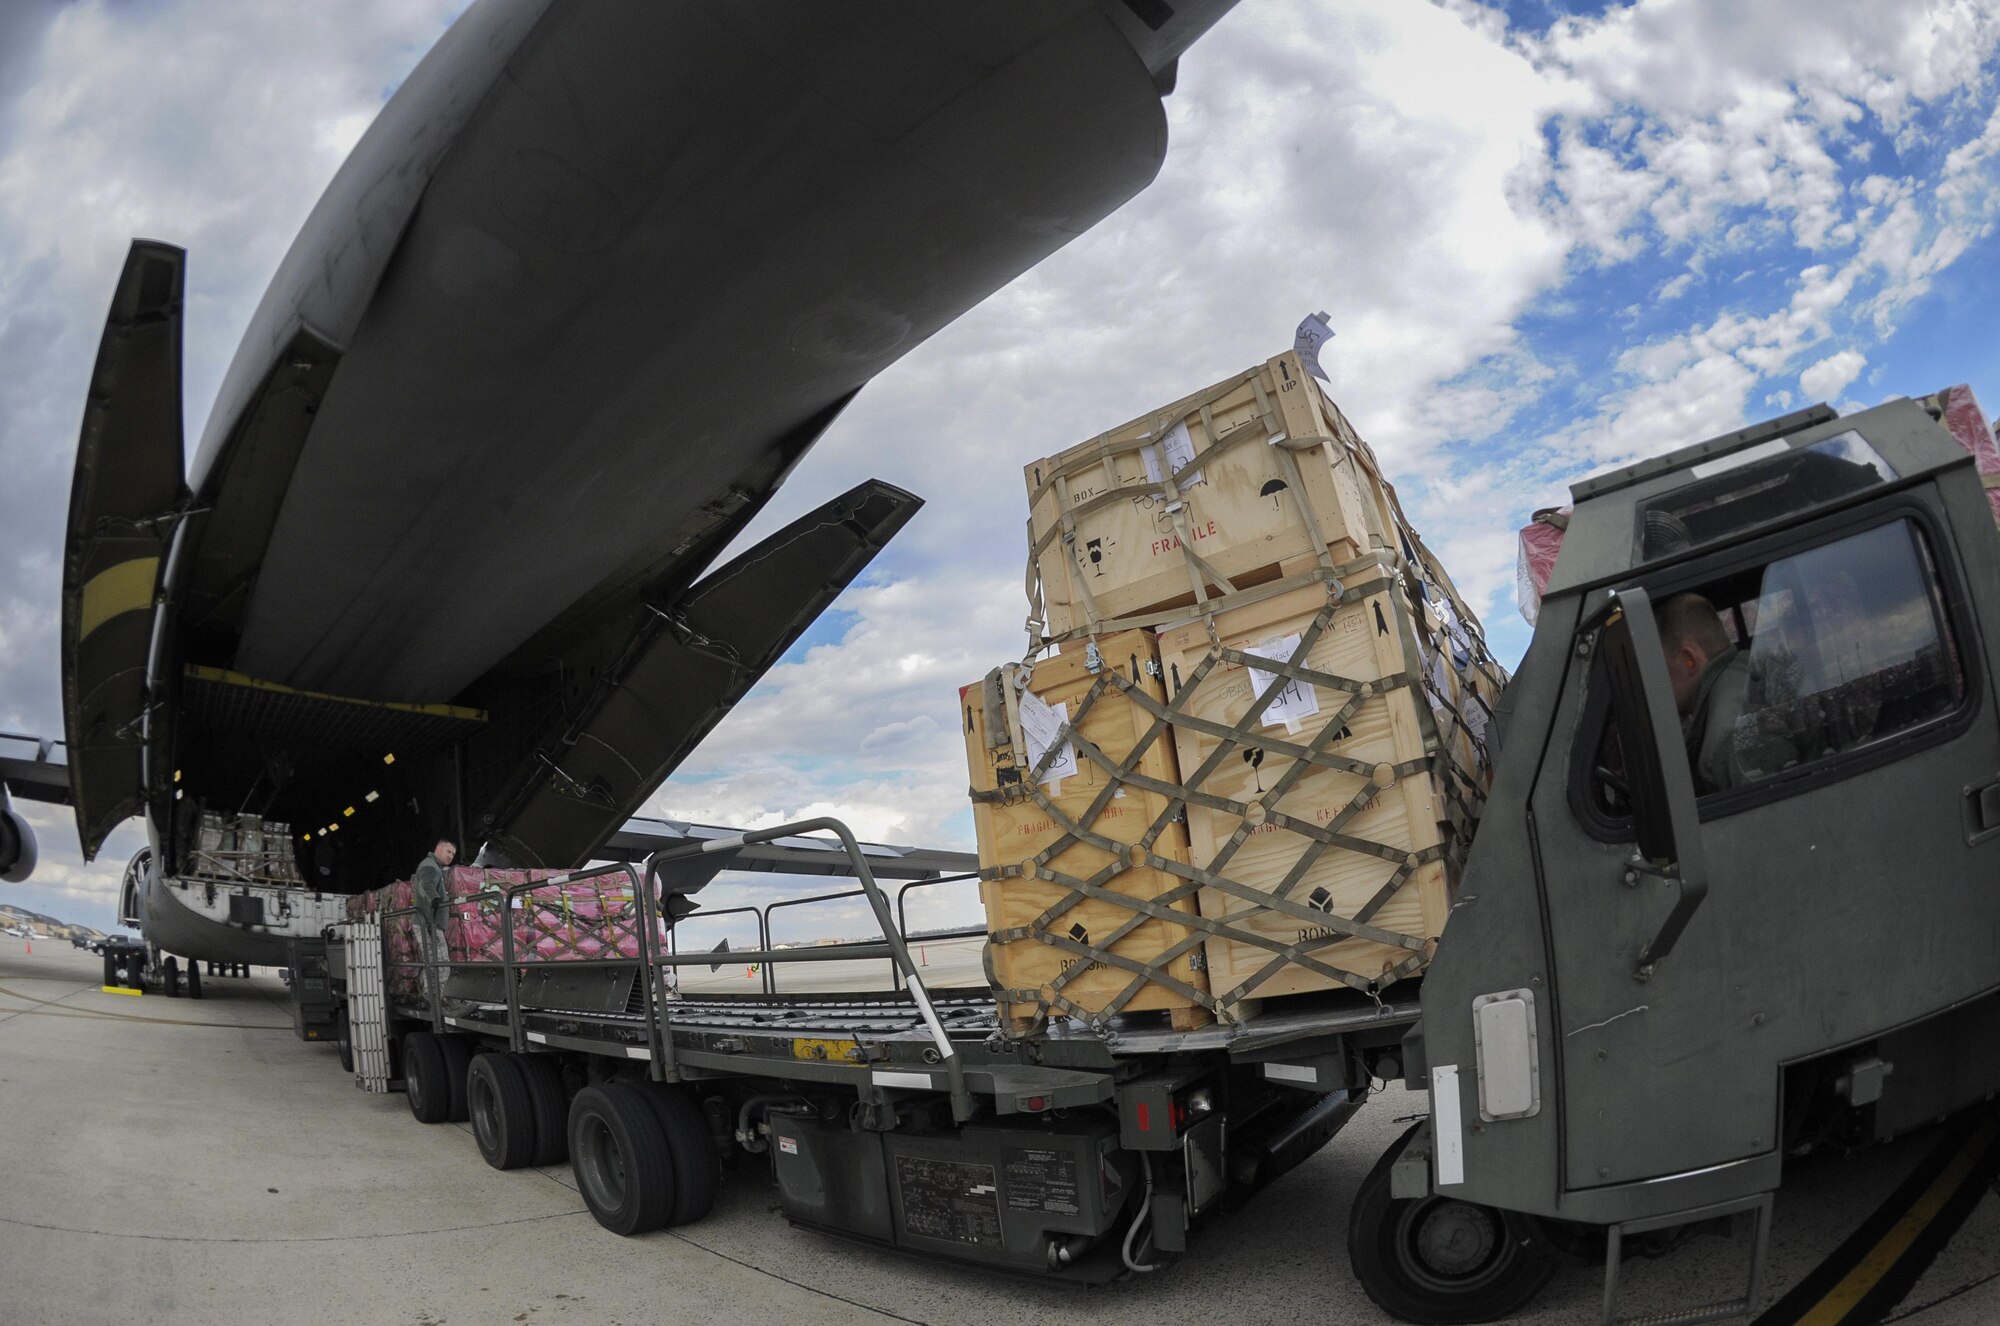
point(911, 1118)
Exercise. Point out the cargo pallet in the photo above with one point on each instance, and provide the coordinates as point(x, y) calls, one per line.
point(908, 1120)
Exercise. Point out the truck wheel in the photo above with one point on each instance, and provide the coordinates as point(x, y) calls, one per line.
point(503, 1114)
point(697, 1167)
point(194, 980)
point(426, 1078)
point(343, 1040)
point(618, 1153)
point(457, 1063)
point(1439, 1261)
point(543, 1077)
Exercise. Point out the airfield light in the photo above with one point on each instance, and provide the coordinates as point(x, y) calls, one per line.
point(348, 811)
point(372, 796)
point(309, 836)
point(332, 827)
point(389, 758)
point(177, 775)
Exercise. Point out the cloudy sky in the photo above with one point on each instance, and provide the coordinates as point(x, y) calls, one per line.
point(1550, 236)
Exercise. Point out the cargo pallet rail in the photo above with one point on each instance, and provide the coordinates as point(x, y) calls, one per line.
point(910, 1120)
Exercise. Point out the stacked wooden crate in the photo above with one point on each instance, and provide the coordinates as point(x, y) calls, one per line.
point(1323, 689)
point(1079, 839)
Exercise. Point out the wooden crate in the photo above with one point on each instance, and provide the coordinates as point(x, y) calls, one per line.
point(1022, 895)
point(1110, 530)
point(1406, 820)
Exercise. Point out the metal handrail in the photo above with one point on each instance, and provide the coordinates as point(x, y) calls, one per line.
point(850, 951)
point(961, 1099)
point(763, 933)
point(430, 979)
point(511, 982)
point(902, 914)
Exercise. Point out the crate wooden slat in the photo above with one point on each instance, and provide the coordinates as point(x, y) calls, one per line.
point(1109, 536)
point(1013, 831)
point(1367, 640)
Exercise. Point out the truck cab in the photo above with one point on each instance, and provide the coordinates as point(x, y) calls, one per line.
point(1702, 930)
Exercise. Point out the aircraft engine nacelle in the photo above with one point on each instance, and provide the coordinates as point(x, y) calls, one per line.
point(17, 844)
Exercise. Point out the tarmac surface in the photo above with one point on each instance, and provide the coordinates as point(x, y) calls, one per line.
point(168, 1160)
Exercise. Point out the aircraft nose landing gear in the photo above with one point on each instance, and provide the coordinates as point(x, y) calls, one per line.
point(1438, 1260)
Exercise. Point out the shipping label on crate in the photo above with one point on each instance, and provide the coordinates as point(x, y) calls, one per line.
point(1179, 448)
point(1295, 701)
point(1040, 724)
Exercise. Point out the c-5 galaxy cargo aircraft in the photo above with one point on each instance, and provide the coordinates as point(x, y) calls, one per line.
point(578, 303)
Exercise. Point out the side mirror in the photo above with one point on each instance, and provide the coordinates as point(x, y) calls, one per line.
point(1666, 823)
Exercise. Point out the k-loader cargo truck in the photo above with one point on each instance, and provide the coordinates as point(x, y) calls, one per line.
point(1670, 970)
point(1735, 897)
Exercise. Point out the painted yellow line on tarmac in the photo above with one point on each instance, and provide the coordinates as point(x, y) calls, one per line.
point(1882, 1258)
point(119, 989)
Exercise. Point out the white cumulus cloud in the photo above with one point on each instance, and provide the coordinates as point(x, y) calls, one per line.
point(1830, 376)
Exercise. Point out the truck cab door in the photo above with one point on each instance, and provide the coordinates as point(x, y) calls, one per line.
point(1813, 875)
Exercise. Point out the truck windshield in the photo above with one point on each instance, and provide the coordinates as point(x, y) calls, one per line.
point(1739, 492)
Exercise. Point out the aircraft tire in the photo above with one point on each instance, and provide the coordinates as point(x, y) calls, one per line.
point(426, 1078)
point(501, 1110)
point(343, 1040)
point(543, 1077)
point(618, 1152)
point(194, 980)
point(458, 1062)
point(1438, 1261)
point(697, 1166)
point(170, 976)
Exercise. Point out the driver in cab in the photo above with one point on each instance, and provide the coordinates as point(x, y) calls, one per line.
point(1711, 679)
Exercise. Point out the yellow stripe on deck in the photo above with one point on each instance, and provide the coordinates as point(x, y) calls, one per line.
point(119, 989)
point(1855, 1285)
point(840, 1051)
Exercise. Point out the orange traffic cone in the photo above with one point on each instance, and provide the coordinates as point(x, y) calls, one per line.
point(31, 947)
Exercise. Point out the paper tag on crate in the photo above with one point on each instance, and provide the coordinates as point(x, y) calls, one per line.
point(1179, 447)
point(1297, 701)
point(1454, 633)
point(1313, 333)
point(1040, 722)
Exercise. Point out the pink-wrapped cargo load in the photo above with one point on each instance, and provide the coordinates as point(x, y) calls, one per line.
point(1967, 423)
point(594, 917)
point(1541, 540)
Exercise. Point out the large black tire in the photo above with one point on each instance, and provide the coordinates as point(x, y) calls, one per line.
point(170, 975)
point(542, 1075)
point(618, 1152)
point(458, 1062)
point(1439, 1261)
point(502, 1112)
point(426, 1078)
point(194, 979)
point(343, 1040)
point(697, 1165)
